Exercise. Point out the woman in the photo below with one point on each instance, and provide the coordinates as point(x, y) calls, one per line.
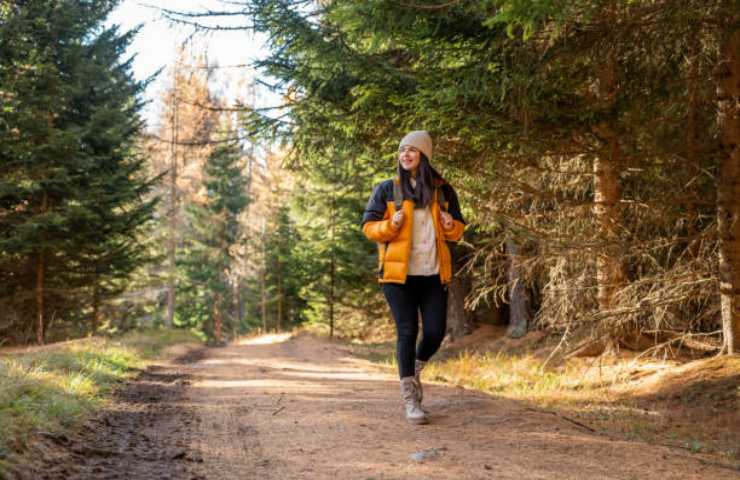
point(412, 217)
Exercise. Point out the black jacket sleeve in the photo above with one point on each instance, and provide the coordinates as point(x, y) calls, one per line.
point(376, 206)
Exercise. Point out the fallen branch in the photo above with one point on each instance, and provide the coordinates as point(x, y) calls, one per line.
point(567, 419)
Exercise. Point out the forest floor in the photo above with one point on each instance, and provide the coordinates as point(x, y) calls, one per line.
point(288, 407)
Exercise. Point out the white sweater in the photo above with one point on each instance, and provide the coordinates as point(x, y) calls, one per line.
point(423, 258)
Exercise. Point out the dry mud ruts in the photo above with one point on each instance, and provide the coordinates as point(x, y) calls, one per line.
point(143, 434)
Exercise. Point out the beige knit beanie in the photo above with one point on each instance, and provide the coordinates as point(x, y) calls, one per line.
point(420, 140)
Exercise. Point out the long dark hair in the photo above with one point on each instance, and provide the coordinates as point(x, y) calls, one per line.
point(426, 179)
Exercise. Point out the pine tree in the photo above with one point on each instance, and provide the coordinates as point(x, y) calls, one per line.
point(338, 266)
point(72, 189)
point(208, 256)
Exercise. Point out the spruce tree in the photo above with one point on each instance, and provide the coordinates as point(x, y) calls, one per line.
point(207, 257)
point(72, 190)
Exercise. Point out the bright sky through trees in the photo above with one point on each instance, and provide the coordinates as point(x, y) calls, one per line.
point(156, 44)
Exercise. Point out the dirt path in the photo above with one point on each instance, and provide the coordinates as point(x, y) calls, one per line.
point(303, 408)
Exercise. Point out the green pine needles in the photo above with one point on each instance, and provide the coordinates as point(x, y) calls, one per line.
point(206, 294)
point(72, 191)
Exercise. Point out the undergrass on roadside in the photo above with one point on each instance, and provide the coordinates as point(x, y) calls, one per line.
point(52, 388)
point(655, 401)
point(516, 377)
point(512, 376)
point(608, 395)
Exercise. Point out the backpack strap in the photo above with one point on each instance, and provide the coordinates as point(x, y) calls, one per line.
point(397, 195)
point(441, 199)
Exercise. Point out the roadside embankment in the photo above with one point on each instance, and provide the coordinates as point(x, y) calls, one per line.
point(688, 403)
point(50, 390)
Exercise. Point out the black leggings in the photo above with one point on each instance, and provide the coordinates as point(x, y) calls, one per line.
point(419, 293)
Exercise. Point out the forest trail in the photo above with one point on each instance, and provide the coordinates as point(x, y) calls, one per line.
point(300, 407)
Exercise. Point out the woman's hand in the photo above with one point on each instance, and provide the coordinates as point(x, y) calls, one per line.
point(446, 220)
point(397, 219)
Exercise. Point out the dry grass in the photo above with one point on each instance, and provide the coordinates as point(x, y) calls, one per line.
point(692, 405)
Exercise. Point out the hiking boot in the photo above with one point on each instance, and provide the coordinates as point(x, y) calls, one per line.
point(418, 367)
point(414, 414)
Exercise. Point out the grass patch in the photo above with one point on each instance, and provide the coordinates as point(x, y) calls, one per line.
point(52, 388)
point(683, 405)
point(518, 377)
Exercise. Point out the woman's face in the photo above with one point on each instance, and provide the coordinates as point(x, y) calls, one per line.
point(409, 158)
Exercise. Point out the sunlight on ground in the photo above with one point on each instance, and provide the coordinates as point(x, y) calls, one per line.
point(276, 384)
point(266, 339)
point(298, 370)
point(277, 364)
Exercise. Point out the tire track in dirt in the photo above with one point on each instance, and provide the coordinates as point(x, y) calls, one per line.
point(144, 434)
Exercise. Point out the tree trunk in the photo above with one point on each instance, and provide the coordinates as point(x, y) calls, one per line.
point(217, 320)
point(610, 275)
point(263, 299)
point(333, 266)
point(40, 281)
point(280, 298)
point(94, 321)
point(520, 299)
point(459, 320)
point(728, 189)
point(242, 307)
point(263, 274)
point(236, 305)
point(172, 247)
point(40, 277)
point(609, 272)
point(692, 159)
